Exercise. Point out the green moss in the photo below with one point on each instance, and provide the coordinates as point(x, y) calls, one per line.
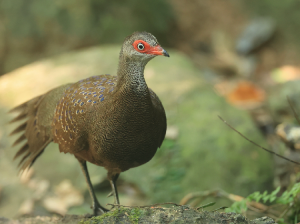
point(99, 219)
point(135, 215)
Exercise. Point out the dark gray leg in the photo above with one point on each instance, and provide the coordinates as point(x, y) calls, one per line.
point(97, 208)
point(112, 180)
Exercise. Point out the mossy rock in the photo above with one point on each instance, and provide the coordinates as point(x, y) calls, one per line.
point(157, 215)
point(176, 214)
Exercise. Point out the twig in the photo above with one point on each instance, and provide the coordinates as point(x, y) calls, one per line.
point(252, 205)
point(283, 213)
point(293, 109)
point(144, 206)
point(202, 194)
point(292, 161)
point(224, 207)
point(206, 205)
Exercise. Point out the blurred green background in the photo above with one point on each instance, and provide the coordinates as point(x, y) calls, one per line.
point(47, 43)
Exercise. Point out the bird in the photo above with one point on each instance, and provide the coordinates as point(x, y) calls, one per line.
point(116, 122)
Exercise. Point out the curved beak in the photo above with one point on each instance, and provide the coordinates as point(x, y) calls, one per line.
point(158, 50)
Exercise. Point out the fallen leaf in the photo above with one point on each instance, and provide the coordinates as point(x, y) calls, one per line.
point(286, 73)
point(246, 95)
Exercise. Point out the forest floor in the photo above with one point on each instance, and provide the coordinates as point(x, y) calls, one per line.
point(176, 214)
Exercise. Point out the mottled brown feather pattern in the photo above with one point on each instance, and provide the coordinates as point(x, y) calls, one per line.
point(38, 113)
point(112, 121)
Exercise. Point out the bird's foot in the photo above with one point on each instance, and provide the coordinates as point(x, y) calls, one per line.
point(99, 210)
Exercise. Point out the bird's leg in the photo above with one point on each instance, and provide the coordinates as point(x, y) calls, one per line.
point(97, 208)
point(112, 179)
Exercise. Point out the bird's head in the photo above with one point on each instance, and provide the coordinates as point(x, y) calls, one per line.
point(142, 46)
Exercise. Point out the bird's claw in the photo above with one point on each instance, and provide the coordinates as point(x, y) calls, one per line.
point(99, 210)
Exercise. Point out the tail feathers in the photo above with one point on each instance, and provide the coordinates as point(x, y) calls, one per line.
point(19, 108)
point(20, 139)
point(29, 158)
point(23, 149)
point(21, 116)
point(20, 128)
point(37, 138)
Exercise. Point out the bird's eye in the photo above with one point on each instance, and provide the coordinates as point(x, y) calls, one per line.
point(141, 46)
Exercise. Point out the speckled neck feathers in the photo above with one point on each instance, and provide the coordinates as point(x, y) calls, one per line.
point(131, 75)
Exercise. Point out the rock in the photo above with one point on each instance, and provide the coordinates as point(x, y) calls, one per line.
point(256, 33)
point(178, 214)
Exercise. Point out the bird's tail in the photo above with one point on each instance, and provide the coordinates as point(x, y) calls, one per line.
point(35, 134)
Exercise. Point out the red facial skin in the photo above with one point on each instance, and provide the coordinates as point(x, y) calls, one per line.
point(156, 50)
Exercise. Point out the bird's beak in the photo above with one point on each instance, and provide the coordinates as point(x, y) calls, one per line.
point(158, 50)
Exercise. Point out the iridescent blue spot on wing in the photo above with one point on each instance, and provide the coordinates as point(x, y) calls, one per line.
point(101, 99)
point(101, 96)
point(81, 103)
point(90, 93)
point(85, 97)
point(81, 111)
point(95, 95)
point(78, 101)
point(75, 104)
point(59, 118)
point(71, 137)
point(89, 101)
point(88, 82)
point(94, 101)
point(73, 100)
point(77, 111)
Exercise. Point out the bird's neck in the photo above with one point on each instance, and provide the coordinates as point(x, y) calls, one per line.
point(131, 76)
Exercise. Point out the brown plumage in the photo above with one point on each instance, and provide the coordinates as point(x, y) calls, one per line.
point(112, 121)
